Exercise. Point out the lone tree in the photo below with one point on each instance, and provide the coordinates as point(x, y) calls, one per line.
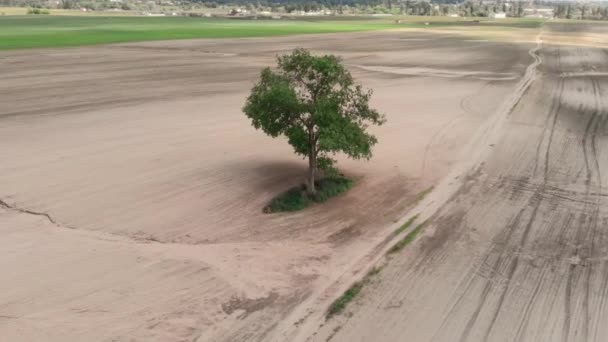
point(313, 101)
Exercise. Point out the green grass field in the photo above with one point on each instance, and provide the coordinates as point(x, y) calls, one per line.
point(21, 32)
point(18, 32)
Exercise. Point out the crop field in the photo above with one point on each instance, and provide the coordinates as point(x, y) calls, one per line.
point(57, 31)
point(18, 32)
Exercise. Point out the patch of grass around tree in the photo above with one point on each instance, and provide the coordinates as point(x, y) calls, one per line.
point(296, 198)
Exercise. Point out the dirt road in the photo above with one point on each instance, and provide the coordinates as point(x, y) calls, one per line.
point(520, 252)
point(132, 186)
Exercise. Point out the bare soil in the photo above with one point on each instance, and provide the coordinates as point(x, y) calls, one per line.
point(517, 252)
point(132, 186)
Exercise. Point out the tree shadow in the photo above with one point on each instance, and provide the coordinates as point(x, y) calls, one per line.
point(268, 176)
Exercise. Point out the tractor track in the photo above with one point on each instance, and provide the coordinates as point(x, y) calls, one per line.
point(527, 259)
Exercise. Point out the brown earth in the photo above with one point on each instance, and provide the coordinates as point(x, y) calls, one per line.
point(518, 252)
point(132, 186)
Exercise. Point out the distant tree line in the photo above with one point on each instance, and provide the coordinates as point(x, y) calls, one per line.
point(468, 8)
point(581, 11)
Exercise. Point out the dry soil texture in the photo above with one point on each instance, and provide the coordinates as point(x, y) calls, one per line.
point(132, 186)
point(520, 252)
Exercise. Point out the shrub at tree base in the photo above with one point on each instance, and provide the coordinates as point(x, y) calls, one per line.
point(297, 198)
point(331, 187)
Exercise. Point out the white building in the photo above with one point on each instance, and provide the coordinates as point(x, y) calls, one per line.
point(499, 15)
point(538, 13)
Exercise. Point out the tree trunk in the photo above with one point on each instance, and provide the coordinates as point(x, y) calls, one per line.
point(312, 168)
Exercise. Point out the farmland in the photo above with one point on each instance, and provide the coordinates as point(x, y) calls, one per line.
point(57, 31)
point(18, 32)
point(132, 186)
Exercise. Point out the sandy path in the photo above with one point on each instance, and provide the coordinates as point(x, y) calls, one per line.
point(519, 252)
point(153, 181)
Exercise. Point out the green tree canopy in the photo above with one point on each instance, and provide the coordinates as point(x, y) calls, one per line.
point(314, 102)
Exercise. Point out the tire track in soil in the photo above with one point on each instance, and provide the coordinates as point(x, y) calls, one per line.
point(551, 113)
point(530, 288)
point(591, 157)
point(593, 228)
point(509, 232)
point(464, 105)
point(567, 222)
point(585, 233)
point(596, 210)
point(580, 238)
point(535, 201)
point(539, 195)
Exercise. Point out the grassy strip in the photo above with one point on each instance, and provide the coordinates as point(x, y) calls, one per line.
point(407, 239)
point(423, 194)
point(405, 225)
point(296, 198)
point(341, 302)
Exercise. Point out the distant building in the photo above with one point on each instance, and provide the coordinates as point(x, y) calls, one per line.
point(238, 12)
point(499, 15)
point(538, 13)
